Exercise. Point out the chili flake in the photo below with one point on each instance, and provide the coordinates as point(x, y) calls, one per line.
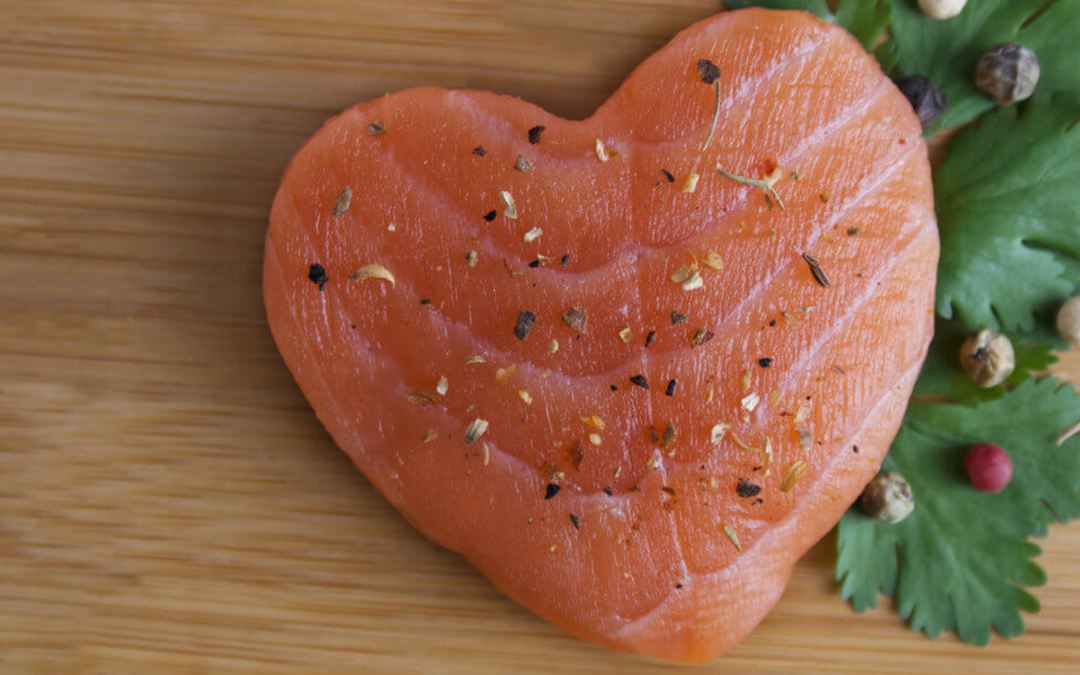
point(747, 489)
point(716, 434)
point(750, 401)
point(640, 381)
point(525, 396)
point(815, 269)
point(551, 490)
point(713, 261)
point(730, 532)
point(344, 199)
point(508, 201)
point(502, 375)
point(475, 430)
point(576, 318)
point(524, 324)
point(690, 186)
point(601, 151)
point(625, 334)
point(701, 336)
point(532, 235)
point(318, 275)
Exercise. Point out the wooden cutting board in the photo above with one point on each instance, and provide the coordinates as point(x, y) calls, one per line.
point(168, 502)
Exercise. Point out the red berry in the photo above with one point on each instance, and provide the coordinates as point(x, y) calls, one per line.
point(989, 468)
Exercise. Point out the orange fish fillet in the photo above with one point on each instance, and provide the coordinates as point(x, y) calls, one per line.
point(663, 520)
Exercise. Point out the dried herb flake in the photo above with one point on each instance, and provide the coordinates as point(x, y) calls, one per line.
point(524, 324)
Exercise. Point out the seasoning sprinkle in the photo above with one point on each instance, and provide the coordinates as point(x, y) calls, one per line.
point(715, 117)
point(601, 151)
point(795, 314)
point(701, 337)
point(503, 375)
point(670, 177)
point(576, 318)
point(747, 489)
point(682, 274)
point(750, 401)
point(640, 381)
point(419, 398)
point(491, 215)
point(852, 231)
point(317, 274)
point(508, 201)
point(442, 386)
point(372, 271)
point(479, 150)
point(746, 380)
point(575, 520)
point(553, 346)
point(765, 362)
point(487, 453)
point(708, 71)
point(525, 396)
point(793, 475)
point(522, 164)
point(376, 128)
point(471, 257)
point(650, 338)
point(475, 358)
point(595, 439)
point(594, 421)
point(343, 201)
point(694, 281)
point(668, 436)
point(551, 490)
point(475, 430)
point(535, 133)
point(690, 186)
point(730, 532)
point(532, 235)
point(678, 317)
point(806, 436)
point(753, 182)
point(815, 269)
point(716, 434)
point(429, 436)
point(713, 261)
point(670, 391)
point(524, 324)
point(625, 334)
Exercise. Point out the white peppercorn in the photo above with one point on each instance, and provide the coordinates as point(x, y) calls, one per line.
point(888, 498)
point(942, 9)
point(1068, 321)
point(1008, 73)
point(987, 358)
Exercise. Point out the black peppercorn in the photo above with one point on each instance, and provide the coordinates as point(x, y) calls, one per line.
point(1008, 73)
point(925, 97)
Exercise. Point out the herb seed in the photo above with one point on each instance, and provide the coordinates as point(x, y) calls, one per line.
point(344, 199)
point(815, 269)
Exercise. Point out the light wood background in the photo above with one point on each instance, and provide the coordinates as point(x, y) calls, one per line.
point(168, 502)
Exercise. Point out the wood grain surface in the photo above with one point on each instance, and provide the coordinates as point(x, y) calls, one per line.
point(168, 502)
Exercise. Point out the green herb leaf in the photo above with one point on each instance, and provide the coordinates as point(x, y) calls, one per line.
point(948, 51)
point(961, 560)
point(865, 19)
point(1008, 211)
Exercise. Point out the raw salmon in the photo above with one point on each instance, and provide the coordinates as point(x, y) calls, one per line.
point(630, 389)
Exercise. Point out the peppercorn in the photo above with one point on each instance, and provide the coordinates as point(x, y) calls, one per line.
point(987, 358)
point(1008, 73)
point(1068, 320)
point(941, 9)
point(988, 467)
point(926, 97)
point(887, 498)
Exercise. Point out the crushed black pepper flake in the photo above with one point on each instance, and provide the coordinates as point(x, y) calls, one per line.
point(669, 490)
point(575, 520)
point(576, 318)
point(668, 175)
point(535, 133)
point(668, 437)
point(535, 263)
point(524, 324)
point(670, 391)
point(376, 128)
point(650, 338)
point(702, 336)
point(479, 151)
point(614, 388)
point(654, 435)
point(855, 449)
point(490, 215)
point(765, 362)
point(608, 491)
point(318, 275)
point(640, 381)
point(747, 489)
point(565, 259)
point(852, 231)
point(551, 490)
point(678, 317)
point(815, 269)
point(427, 303)
point(772, 324)
point(708, 71)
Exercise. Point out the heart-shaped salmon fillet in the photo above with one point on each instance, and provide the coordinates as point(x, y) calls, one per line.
point(632, 390)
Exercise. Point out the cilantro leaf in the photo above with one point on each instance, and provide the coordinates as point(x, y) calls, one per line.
point(1008, 212)
point(948, 51)
point(865, 19)
point(961, 560)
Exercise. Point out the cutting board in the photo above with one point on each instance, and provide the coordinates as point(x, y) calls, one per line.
point(168, 502)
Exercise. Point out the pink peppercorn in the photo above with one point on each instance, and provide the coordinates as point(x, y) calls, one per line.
point(989, 467)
